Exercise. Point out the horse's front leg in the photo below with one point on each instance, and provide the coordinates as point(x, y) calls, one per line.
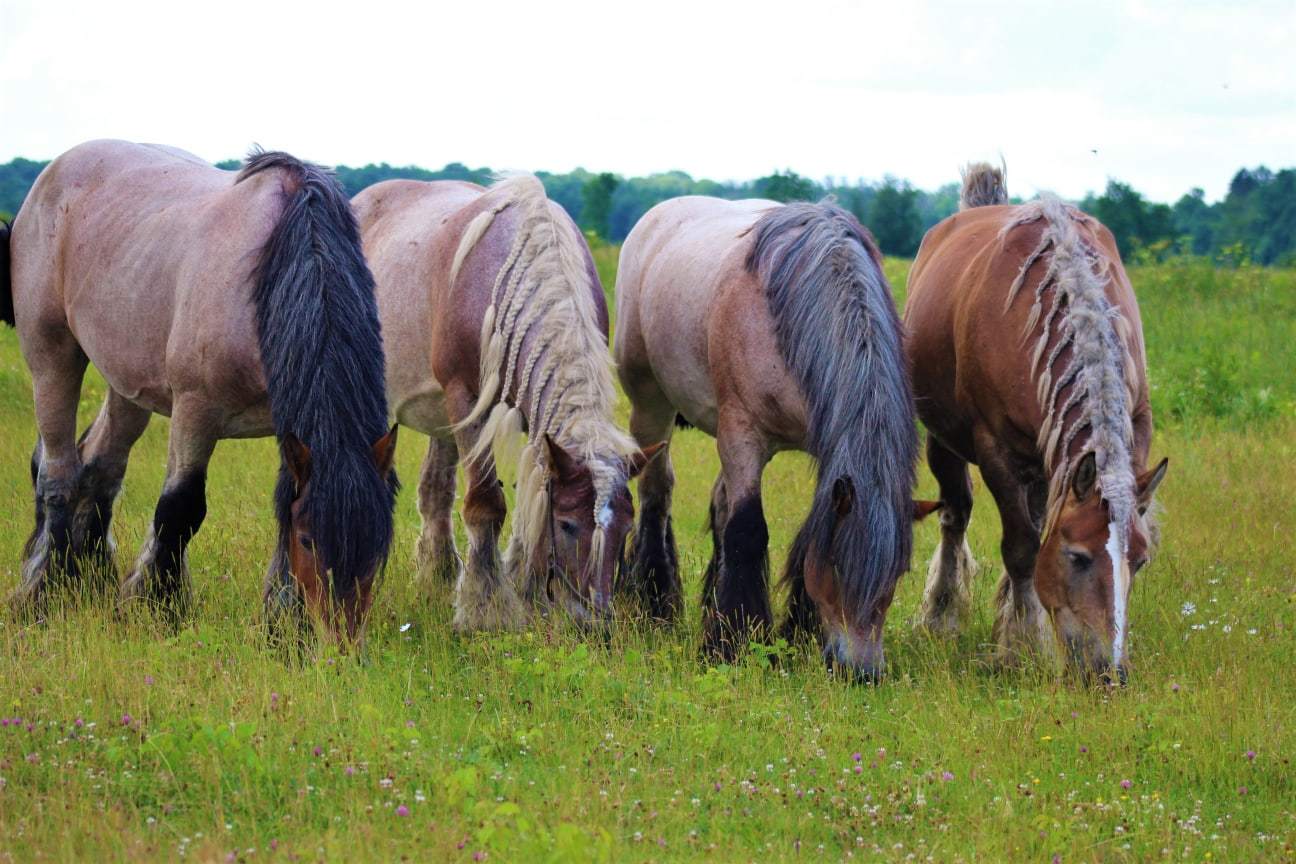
point(485, 596)
point(736, 597)
point(161, 573)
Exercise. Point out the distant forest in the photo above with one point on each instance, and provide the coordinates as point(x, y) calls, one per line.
point(1256, 221)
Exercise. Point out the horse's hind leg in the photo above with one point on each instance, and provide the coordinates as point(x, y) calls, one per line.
point(57, 366)
point(485, 597)
point(654, 561)
point(947, 599)
point(437, 560)
point(736, 604)
point(104, 449)
point(161, 573)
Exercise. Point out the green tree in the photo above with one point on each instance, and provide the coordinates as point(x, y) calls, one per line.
point(894, 219)
point(596, 203)
point(786, 186)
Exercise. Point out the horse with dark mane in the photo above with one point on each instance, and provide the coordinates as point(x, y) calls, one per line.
point(1028, 361)
point(771, 327)
point(238, 305)
point(496, 326)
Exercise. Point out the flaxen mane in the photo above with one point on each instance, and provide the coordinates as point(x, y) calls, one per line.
point(839, 333)
point(983, 185)
point(1081, 360)
point(544, 365)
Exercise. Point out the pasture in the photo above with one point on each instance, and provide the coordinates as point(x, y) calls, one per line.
point(123, 741)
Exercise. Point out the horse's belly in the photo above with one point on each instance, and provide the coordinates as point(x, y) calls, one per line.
point(421, 408)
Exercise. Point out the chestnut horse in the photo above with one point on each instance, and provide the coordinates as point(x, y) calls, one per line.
point(771, 327)
point(495, 324)
point(1028, 361)
point(240, 306)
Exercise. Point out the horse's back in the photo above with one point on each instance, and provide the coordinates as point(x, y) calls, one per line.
point(968, 354)
point(144, 254)
point(682, 258)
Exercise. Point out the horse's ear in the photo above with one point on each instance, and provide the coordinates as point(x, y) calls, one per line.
point(1147, 484)
point(562, 463)
point(640, 460)
point(384, 452)
point(843, 496)
point(1086, 476)
point(923, 509)
point(297, 456)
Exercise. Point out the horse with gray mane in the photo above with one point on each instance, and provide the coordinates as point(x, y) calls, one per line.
point(772, 327)
point(495, 325)
point(1028, 361)
point(237, 304)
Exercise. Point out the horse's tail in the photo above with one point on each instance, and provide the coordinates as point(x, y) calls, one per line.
point(321, 348)
point(6, 281)
point(983, 184)
point(839, 333)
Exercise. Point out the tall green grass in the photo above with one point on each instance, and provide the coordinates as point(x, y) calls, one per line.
point(134, 743)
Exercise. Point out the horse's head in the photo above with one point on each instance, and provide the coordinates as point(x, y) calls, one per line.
point(1085, 567)
point(335, 565)
point(852, 638)
point(587, 530)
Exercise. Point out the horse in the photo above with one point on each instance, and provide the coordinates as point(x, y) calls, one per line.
point(771, 327)
point(495, 325)
point(240, 306)
point(1028, 361)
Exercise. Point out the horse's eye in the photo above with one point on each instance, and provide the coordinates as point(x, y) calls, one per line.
point(1078, 560)
point(571, 529)
point(307, 542)
point(1138, 565)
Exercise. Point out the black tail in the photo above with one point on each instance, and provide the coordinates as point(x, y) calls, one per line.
point(318, 331)
point(6, 282)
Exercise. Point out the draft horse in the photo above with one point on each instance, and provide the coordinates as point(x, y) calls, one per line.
point(237, 304)
point(1028, 361)
point(495, 324)
point(771, 327)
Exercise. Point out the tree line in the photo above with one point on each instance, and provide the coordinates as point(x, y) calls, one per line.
point(1255, 221)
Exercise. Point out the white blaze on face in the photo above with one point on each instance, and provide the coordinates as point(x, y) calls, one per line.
point(604, 516)
point(1120, 587)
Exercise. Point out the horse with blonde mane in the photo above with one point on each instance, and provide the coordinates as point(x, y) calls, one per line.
point(239, 305)
point(772, 327)
point(1028, 361)
point(496, 326)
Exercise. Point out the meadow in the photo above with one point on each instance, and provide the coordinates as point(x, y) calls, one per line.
point(121, 740)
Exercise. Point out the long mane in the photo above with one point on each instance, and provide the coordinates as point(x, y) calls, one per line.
point(545, 367)
point(318, 332)
point(1081, 360)
point(839, 333)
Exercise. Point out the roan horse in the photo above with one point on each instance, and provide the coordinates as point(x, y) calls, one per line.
point(239, 305)
point(771, 327)
point(495, 324)
point(1028, 361)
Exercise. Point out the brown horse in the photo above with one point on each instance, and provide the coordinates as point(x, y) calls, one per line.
point(1027, 356)
point(495, 324)
point(772, 328)
point(240, 306)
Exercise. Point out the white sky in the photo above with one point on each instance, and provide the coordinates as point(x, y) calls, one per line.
point(1171, 95)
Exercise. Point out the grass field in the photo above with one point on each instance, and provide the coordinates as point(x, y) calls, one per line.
point(124, 742)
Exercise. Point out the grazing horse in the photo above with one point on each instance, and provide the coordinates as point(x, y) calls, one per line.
point(1028, 361)
point(495, 324)
point(240, 306)
point(771, 327)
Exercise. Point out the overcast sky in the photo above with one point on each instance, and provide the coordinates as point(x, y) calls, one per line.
point(1163, 95)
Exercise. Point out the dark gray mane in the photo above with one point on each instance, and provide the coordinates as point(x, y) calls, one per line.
point(317, 326)
point(838, 330)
